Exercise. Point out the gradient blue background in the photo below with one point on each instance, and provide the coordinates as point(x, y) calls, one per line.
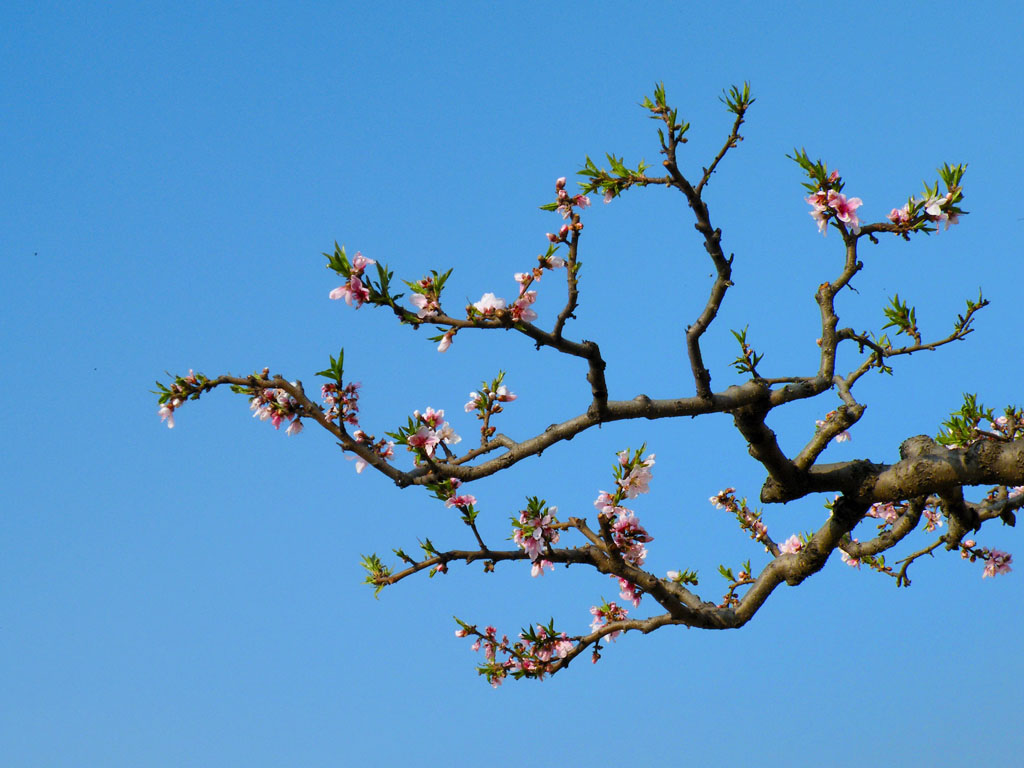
point(170, 176)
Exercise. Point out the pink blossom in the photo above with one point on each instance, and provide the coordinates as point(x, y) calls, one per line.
point(580, 201)
point(460, 501)
point(430, 417)
point(560, 182)
point(533, 533)
point(353, 291)
point(900, 216)
point(629, 536)
point(538, 566)
point(604, 504)
point(846, 210)
point(167, 414)
point(609, 195)
point(791, 546)
point(360, 262)
point(853, 562)
point(638, 480)
point(521, 307)
point(629, 591)
point(607, 614)
point(998, 562)
point(502, 395)
point(933, 519)
point(817, 203)
point(721, 499)
point(447, 434)
point(563, 646)
point(884, 511)
point(424, 438)
point(475, 401)
point(554, 262)
point(489, 304)
point(427, 307)
point(294, 428)
point(446, 341)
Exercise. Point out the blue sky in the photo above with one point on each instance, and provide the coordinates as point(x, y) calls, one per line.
point(192, 597)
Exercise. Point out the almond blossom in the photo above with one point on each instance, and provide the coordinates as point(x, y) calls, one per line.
point(846, 209)
point(353, 291)
point(167, 412)
point(427, 306)
point(853, 562)
point(606, 614)
point(900, 216)
point(791, 546)
point(534, 530)
point(831, 203)
point(520, 309)
point(629, 536)
point(462, 502)
point(538, 566)
point(639, 478)
point(629, 591)
point(489, 304)
point(997, 562)
point(884, 511)
point(933, 519)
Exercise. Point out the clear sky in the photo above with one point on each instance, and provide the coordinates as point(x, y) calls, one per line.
point(191, 597)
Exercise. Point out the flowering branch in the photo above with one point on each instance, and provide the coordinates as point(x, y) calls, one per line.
point(924, 489)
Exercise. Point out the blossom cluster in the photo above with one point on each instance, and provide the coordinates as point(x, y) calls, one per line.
point(277, 406)
point(996, 561)
point(432, 431)
point(937, 209)
point(566, 202)
point(383, 448)
point(426, 294)
point(487, 402)
point(342, 401)
point(606, 614)
point(748, 519)
point(792, 545)
point(354, 290)
point(535, 531)
point(933, 208)
point(531, 656)
point(172, 397)
point(829, 204)
point(1010, 425)
point(886, 511)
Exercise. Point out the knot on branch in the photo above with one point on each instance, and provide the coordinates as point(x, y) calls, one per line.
point(919, 445)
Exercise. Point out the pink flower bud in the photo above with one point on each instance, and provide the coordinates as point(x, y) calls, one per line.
point(560, 183)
